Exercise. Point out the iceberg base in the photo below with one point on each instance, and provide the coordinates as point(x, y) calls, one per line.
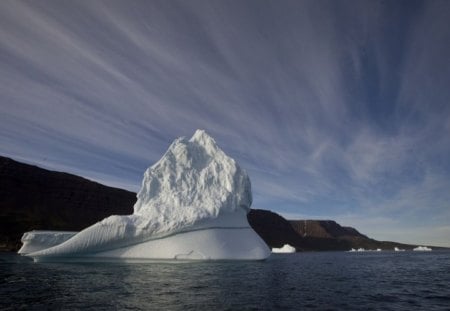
point(201, 244)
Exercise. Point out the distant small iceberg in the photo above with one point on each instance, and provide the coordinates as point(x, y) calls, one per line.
point(422, 249)
point(398, 249)
point(358, 250)
point(285, 249)
point(365, 250)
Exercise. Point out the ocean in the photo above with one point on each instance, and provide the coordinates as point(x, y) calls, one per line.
point(301, 281)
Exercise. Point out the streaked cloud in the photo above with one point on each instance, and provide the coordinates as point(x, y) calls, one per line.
point(337, 109)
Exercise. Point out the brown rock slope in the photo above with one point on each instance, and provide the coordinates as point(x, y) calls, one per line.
point(273, 229)
point(329, 235)
point(35, 198)
point(312, 235)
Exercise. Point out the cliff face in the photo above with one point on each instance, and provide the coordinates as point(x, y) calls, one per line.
point(324, 229)
point(312, 235)
point(273, 229)
point(329, 235)
point(35, 198)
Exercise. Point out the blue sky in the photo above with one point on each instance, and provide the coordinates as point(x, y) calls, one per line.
point(337, 109)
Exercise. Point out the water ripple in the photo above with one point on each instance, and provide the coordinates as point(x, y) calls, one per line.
point(313, 281)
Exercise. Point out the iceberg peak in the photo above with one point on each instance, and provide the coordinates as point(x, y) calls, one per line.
point(202, 138)
point(195, 179)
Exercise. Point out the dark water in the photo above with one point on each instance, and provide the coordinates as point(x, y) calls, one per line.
point(335, 280)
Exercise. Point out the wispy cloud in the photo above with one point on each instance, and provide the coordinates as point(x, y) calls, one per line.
point(334, 108)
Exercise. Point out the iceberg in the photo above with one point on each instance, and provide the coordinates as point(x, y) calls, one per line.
point(364, 250)
point(357, 250)
point(192, 205)
point(285, 249)
point(36, 240)
point(422, 249)
point(398, 249)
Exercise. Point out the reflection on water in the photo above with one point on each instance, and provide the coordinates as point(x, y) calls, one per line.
point(286, 281)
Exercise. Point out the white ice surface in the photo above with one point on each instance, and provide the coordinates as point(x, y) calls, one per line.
point(285, 249)
point(37, 240)
point(422, 249)
point(195, 185)
point(200, 244)
point(365, 250)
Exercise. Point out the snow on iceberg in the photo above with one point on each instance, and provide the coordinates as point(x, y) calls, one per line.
point(422, 249)
point(285, 249)
point(36, 240)
point(192, 205)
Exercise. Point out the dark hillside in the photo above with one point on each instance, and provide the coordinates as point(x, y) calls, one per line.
point(35, 198)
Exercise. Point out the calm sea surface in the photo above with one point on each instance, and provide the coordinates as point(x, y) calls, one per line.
point(329, 280)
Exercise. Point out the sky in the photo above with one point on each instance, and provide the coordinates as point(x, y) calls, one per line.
point(337, 109)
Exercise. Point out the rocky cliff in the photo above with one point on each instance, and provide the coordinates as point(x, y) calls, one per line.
point(274, 229)
point(312, 235)
point(35, 198)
